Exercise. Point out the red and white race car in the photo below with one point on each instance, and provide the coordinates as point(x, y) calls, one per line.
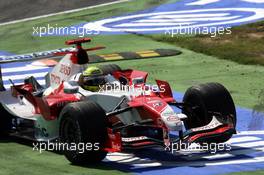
point(125, 113)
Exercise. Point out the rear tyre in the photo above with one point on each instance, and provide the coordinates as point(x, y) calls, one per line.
point(109, 68)
point(84, 123)
point(204, 99)
point(5, 122)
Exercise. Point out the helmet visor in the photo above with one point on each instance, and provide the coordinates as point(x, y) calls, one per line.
point(93, 81)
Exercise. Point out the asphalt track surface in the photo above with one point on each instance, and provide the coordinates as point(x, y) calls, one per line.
point(20, 9)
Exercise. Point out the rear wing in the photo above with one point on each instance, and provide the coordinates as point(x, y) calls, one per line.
point(78, 41)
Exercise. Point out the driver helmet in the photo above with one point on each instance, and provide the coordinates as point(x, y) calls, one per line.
point(92, 78)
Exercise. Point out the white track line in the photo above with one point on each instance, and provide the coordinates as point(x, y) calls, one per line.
point(23, 68)
point(190, 16)
point(173, 20)
point(64, 12)
point(249, 144)
point(260, 132)
point(244, 139)
point(153, 24)
point(202, 2)
point(22, 76)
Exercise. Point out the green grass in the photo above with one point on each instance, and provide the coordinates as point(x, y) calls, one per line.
point(244, 45)
point(244, 81)
point(18, 159)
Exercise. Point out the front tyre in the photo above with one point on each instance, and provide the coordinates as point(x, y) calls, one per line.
point(83, 124)
point(204, 99)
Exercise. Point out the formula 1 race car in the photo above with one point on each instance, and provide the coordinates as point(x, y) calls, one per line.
point(124, 113)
